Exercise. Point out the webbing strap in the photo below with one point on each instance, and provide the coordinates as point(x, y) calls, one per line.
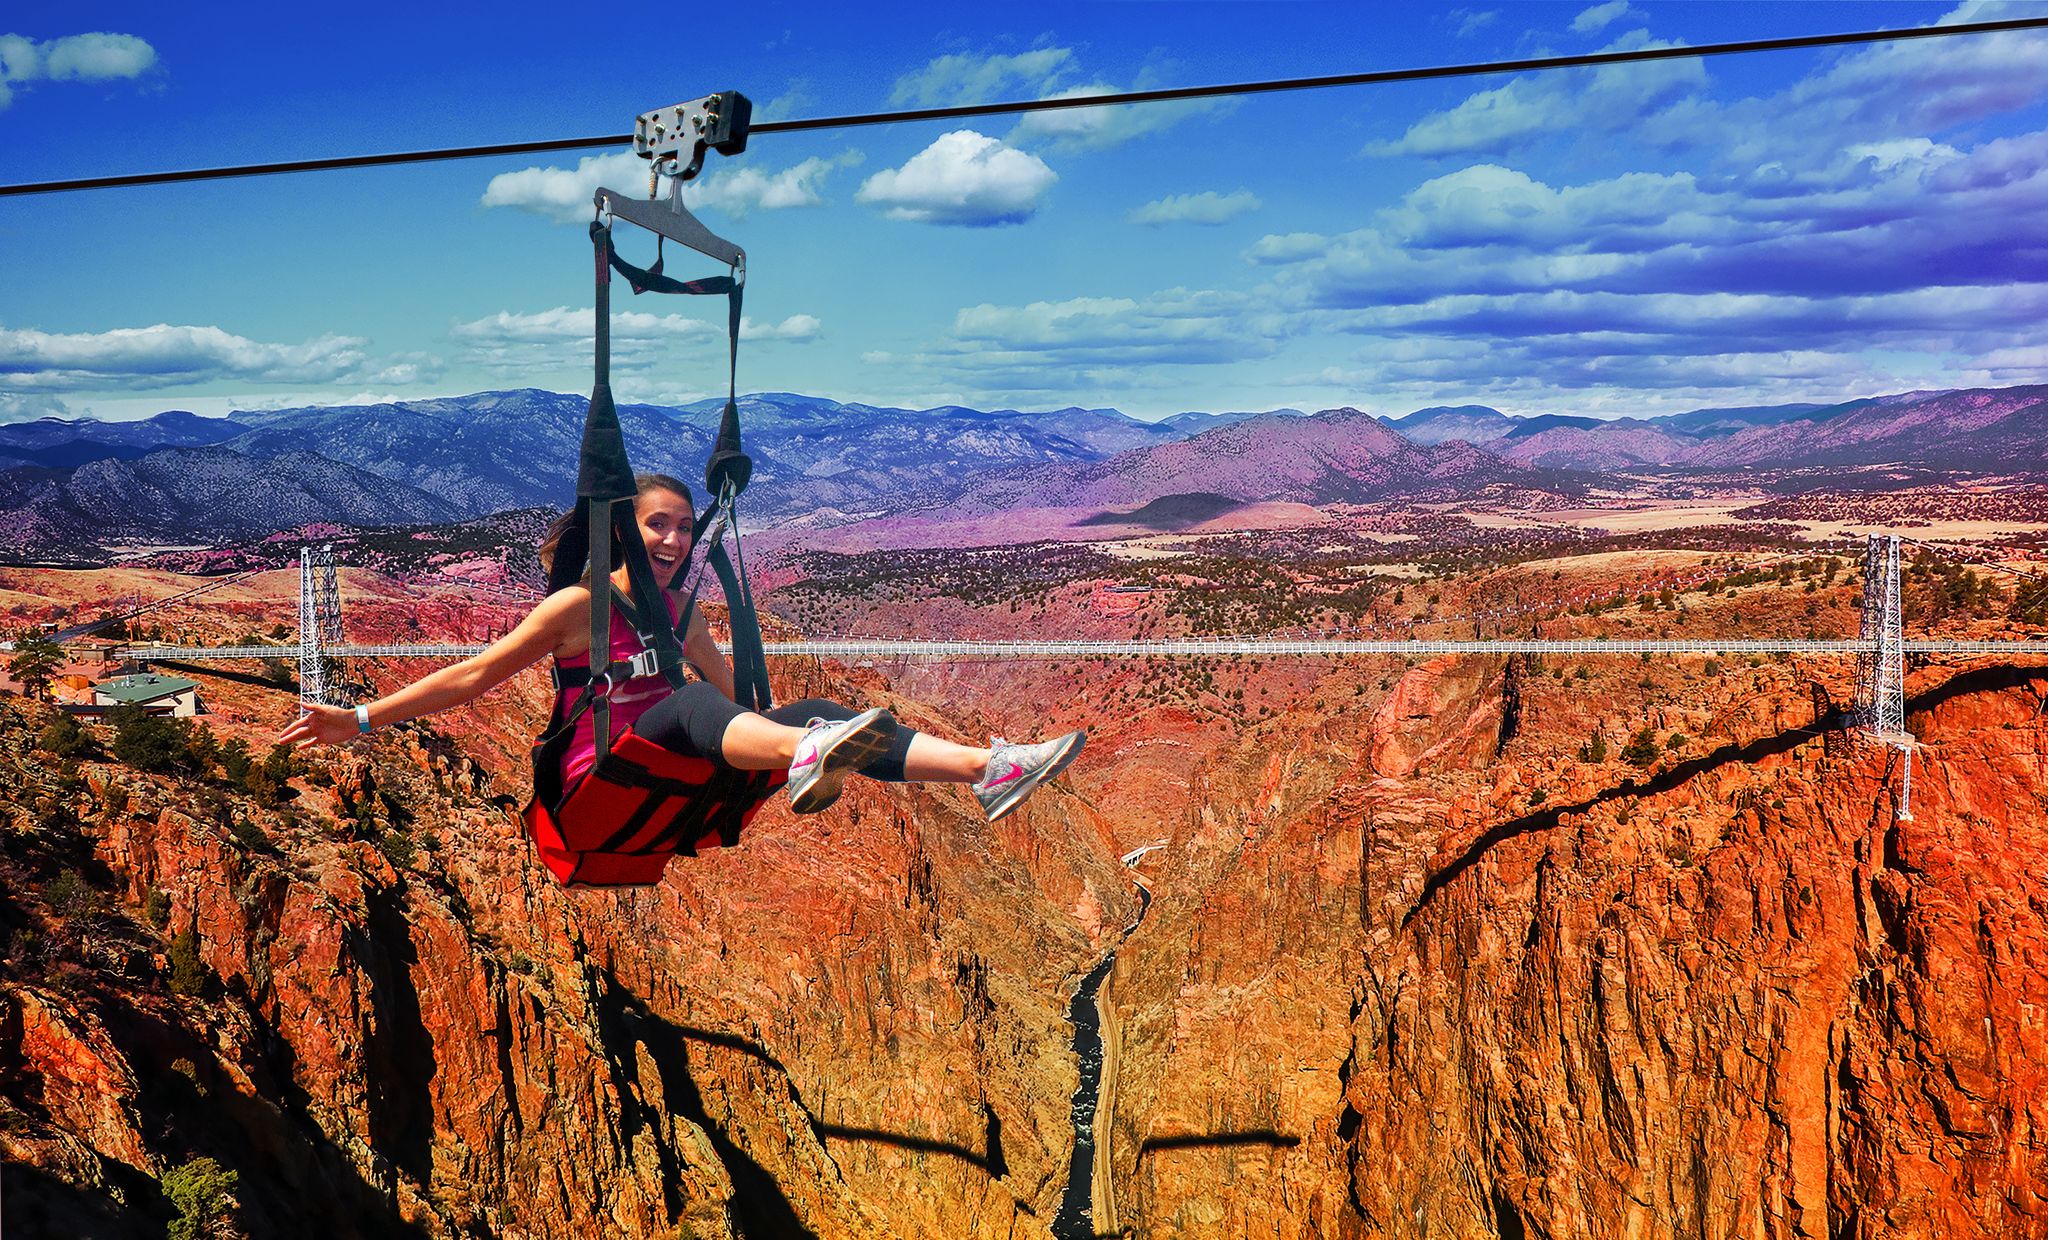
point(650, 279)
point(749, 661)
point(604, 480)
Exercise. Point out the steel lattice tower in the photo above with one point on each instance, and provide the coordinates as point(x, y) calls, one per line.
point(319, 627)
point(1881, 660)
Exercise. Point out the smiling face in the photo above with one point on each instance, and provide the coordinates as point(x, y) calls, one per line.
point(665, 518)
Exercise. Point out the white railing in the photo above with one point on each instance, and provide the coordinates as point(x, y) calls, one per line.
point(1193, 647)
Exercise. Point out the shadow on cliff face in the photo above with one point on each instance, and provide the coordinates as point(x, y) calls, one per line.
point(761, 1210)
point(1664, 781)
point(293, 1176)
point(1218, 1140)
point(400, 1053)
point(1977, 680)
point(989, 1161)
point(35, 1203)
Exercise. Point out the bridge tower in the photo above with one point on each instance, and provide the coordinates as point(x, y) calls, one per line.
point(1881, 660)
point(319, 627)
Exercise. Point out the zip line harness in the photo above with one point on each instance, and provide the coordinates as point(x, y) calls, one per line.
point(641, 804)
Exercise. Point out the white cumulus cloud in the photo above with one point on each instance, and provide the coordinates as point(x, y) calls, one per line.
point(1207, 207)
point(97, 57)
point(1275, 249)
point(743, 189)
point(1180, 326)
point(164, 355)
point(27, 407)
point(511, 342)
point(564, 194)
point(797, 327)
point(963, 178)
point(94, 57)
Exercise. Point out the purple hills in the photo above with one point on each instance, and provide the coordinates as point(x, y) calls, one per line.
point(73, 488)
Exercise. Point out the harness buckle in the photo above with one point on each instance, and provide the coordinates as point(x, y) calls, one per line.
point(645, 663)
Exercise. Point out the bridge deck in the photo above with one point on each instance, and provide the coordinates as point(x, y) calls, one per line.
point(1200, 648)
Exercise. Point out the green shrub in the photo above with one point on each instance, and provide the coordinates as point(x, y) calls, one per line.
point(398, 849)
point(65, 737)
point(201, 748)
point(1642, 748)
point(249, 833)
point(203, 1193)
point(189, 973)
point(149, 742)
point(35, 664)
point(235, 760)
point(156, 908)
point(69, 895)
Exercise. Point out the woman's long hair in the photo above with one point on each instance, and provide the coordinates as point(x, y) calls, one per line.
point(643, 483)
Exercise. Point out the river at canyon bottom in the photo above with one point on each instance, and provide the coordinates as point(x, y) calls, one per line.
point(1076, 1217)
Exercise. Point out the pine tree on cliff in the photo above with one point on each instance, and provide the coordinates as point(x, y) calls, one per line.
point(188, 972)
point(204, 1194)
point(148, 742)
point(1642, 749)
point(65, 737)
point(1595, 748)
point(35, 664)
point(2030, 603)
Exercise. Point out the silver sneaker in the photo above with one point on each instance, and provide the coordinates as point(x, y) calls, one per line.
point(829, 751)
point(1015, 771)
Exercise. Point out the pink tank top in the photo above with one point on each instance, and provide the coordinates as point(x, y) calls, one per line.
point(630, 700)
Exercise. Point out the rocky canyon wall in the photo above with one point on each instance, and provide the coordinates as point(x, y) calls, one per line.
point(1418, 962)
point(849, 1026)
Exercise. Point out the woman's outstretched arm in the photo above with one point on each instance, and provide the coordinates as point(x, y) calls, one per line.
point(542, 633)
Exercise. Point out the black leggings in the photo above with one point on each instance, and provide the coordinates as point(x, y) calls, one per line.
point(692, 721)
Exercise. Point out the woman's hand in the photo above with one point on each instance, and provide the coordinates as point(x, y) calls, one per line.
point(320, 725)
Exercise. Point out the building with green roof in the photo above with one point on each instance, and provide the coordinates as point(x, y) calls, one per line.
point(167, 695)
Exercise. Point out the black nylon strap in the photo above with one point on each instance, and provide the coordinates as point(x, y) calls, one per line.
point(657, 799)
point(650, 279)
point(749, 663)
point(604, 491)
point(597, 511)
point(647, 604)
point(601, 621)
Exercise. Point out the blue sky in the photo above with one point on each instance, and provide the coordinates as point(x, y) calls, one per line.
point(1640, 240)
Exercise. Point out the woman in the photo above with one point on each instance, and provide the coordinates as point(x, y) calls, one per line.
point(819, 742)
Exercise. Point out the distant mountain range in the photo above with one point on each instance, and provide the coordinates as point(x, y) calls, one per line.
point(1977, 430)
point(71, 488)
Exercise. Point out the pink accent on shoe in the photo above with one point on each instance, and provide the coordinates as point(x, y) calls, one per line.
point(1014, 772)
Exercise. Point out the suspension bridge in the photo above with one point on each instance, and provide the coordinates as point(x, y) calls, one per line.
point(1880, 648)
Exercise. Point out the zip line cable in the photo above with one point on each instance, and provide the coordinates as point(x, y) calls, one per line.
point(1538, 64)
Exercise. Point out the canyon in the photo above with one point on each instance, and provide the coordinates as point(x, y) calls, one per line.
point(1415, 961)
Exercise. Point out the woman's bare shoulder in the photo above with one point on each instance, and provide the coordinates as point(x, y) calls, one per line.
point(566, 613)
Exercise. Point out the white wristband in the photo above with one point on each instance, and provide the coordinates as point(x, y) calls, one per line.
point(362, 719)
